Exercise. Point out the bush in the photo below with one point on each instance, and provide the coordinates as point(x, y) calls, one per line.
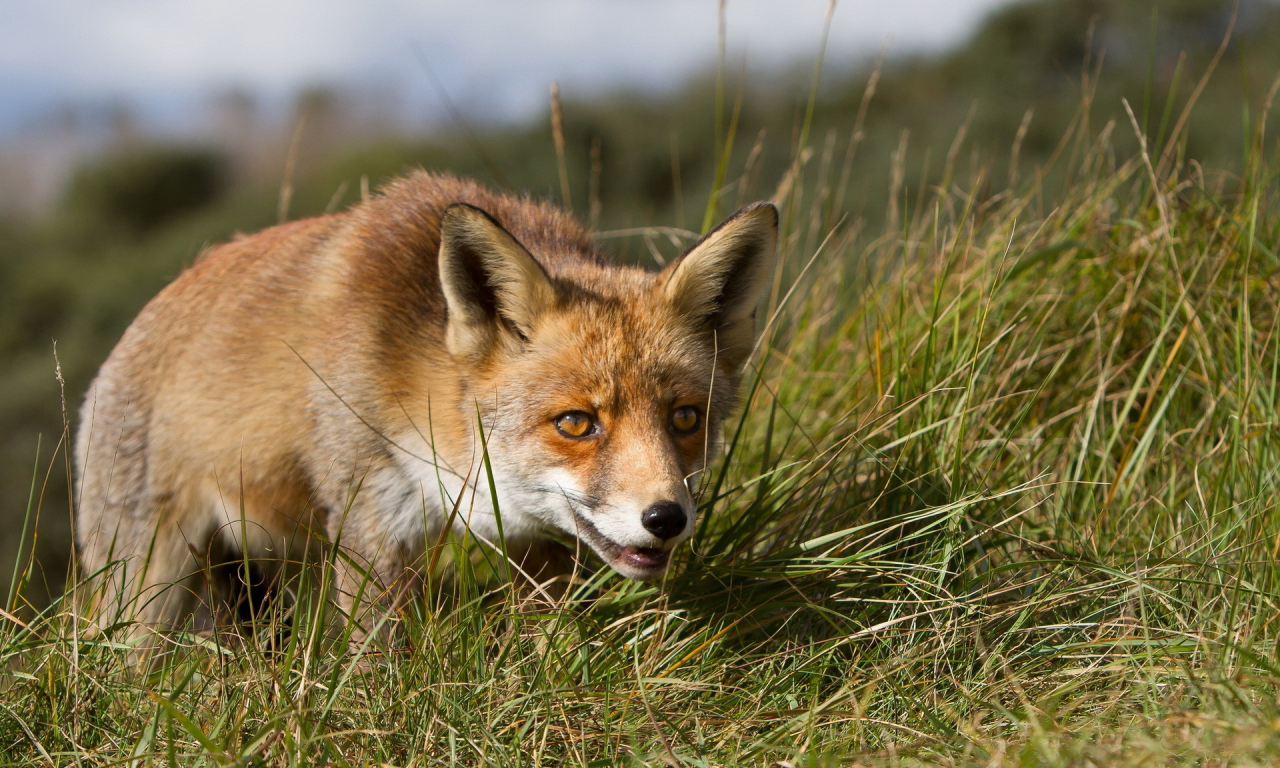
point(143, 189)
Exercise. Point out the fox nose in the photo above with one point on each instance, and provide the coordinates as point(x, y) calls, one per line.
point(665, 519)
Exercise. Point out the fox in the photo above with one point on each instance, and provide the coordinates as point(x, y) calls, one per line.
point(438, 358)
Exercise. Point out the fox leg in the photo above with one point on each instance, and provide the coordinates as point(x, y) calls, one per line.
point(544, 570)
point(143, 572)
point(373, 570)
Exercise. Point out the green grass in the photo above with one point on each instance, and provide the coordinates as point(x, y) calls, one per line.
point(1004, 492)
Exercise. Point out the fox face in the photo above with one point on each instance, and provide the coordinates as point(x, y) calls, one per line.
point(599, 390)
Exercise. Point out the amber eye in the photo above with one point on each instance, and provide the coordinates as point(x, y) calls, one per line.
point(684, 420)
point(575, 424)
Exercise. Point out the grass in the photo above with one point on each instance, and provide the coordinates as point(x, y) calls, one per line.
point(1004, 492)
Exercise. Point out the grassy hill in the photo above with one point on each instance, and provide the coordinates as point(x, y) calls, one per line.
point(1004, 491)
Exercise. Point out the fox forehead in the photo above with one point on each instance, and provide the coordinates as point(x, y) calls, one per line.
point(614, 353)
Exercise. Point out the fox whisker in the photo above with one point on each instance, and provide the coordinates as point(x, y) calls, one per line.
point(590, 502)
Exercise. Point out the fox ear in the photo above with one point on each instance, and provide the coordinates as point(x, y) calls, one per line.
point(492, 285)
point(719, 281)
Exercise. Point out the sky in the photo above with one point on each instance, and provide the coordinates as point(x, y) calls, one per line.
point(493, 57)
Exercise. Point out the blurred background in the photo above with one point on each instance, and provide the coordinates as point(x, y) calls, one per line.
point(133, 134)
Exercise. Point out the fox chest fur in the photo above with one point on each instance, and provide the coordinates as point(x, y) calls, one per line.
point(367, 378)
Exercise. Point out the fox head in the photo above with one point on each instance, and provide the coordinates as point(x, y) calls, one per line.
point(601, 389)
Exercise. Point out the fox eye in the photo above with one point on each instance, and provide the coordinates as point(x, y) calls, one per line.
point(684, 420)
point(575, 424)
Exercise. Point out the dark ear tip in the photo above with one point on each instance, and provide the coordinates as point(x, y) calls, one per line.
point(461, 208)
point(762, 208)
point(459, 212)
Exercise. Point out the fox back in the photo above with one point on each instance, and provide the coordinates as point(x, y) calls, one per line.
point(438, 356)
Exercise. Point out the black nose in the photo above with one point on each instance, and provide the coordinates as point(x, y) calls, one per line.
point(665, 519)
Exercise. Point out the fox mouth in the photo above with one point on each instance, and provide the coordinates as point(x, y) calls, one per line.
point(640, 563)
point(648, 558)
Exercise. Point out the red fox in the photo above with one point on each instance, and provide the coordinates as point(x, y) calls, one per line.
point(440, 352)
